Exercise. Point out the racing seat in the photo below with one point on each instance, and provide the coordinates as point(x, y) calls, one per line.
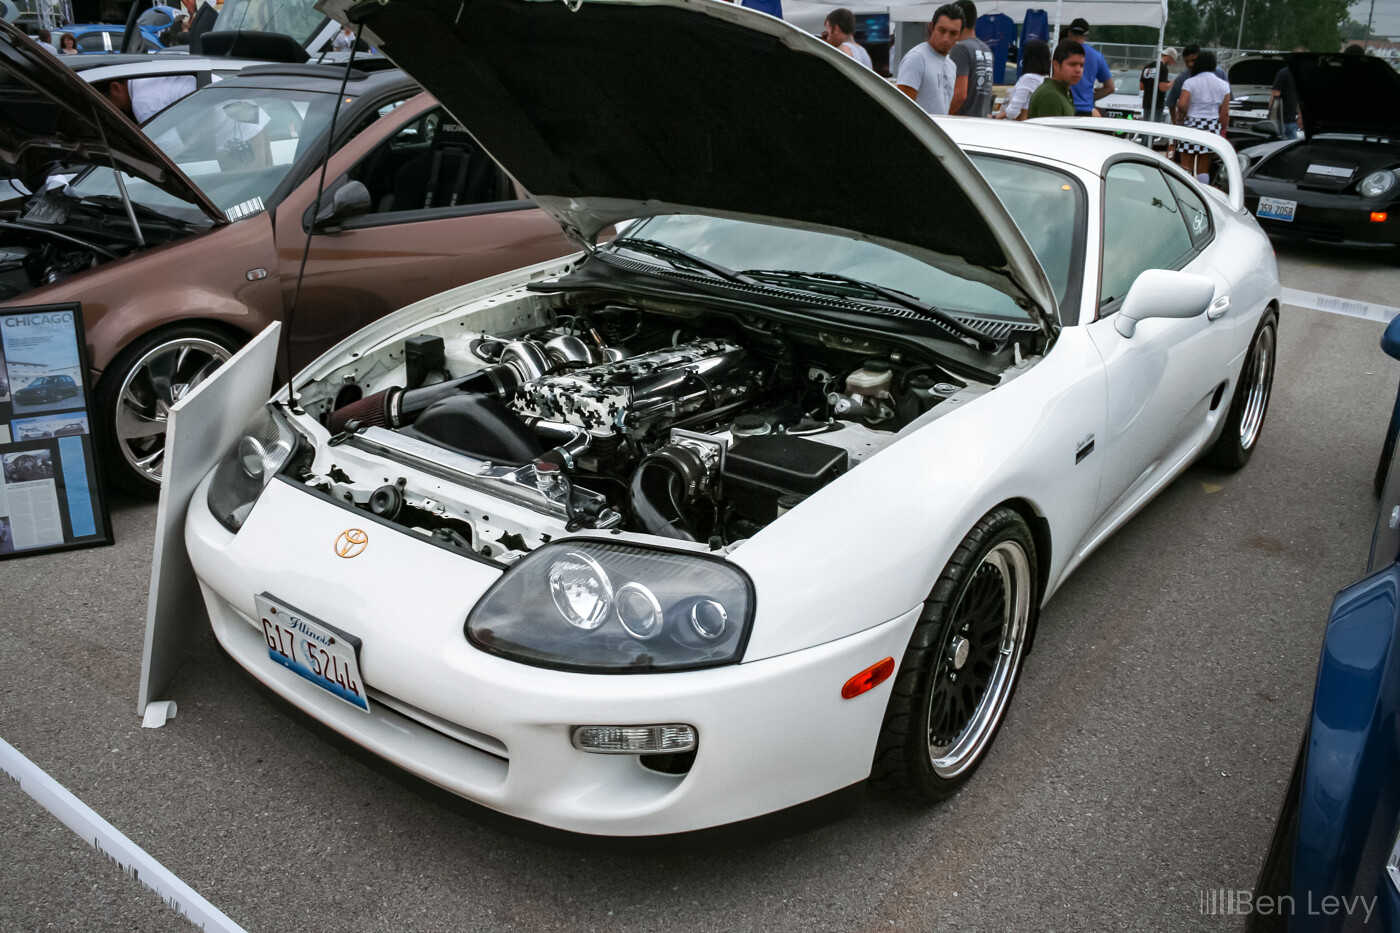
point(454, 172)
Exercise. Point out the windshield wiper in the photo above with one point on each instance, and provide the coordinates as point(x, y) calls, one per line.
point(678, 257)
point(889, 294)
point(109, 200)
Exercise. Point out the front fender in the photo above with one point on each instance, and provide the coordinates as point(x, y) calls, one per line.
point(1349, 799)
point(869, 546)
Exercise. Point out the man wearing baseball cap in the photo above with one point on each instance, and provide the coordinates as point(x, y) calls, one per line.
point(1095, 71)
point(1160, 75)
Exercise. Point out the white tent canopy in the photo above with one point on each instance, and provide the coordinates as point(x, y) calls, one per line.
point(809, 16)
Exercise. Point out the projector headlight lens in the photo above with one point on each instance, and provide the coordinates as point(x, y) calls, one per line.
point(608, 607)
point(1376, 184)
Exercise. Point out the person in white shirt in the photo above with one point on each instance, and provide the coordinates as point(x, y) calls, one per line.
point(143, 98)
point(926, 74)
point(841, 32)
point(1035, 68)
point(1205, 105)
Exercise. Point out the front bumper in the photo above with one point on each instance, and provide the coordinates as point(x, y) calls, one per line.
point(1325, 217)
point(772, 734)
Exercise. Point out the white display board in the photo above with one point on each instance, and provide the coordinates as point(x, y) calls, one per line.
point(202, 426)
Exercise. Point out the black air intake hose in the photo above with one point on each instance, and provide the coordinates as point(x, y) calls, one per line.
point(395, 407)
point(664, 482)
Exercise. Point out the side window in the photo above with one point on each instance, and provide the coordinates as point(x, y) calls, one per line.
point(1193, 211)
point(92, 42)
point(431, 163)
point(1143, 228)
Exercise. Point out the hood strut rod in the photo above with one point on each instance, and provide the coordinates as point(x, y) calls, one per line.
point(121, 182)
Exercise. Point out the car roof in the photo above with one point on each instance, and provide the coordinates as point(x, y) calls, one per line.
point(1082, 148)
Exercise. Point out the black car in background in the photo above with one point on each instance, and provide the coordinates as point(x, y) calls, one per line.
point(1340, 182)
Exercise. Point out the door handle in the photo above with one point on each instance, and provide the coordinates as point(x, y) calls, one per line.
point(1217, 308)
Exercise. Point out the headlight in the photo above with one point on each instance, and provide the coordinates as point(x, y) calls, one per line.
point(249, 465)
point(597, 606)
point(1376, 184)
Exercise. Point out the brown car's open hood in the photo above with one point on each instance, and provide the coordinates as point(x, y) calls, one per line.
point(607, 110)
point(51, 119)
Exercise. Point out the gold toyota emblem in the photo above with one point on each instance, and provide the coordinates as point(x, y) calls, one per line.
point(352, 542)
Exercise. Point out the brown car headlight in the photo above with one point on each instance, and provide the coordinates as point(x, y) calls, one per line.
point(613, 608)
point(249, 465)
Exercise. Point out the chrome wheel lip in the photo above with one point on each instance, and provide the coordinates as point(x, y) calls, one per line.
point(1257, 382)
point(139, 426)
point(1011, 560)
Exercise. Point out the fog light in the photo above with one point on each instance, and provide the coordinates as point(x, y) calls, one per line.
point(634, 740)
point(1378, 217)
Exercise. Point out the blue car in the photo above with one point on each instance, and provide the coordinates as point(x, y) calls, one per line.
point(1334, 862)
point(98, 38)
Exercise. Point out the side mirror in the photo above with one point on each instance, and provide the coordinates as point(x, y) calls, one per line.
point(1163, 293)
point(349, 200)
point(1390, 340)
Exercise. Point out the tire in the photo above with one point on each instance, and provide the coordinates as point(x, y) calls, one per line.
point(975, 626)
point(136, 391)
point(1244, 422)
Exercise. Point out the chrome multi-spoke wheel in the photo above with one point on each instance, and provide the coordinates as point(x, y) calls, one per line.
point(1256, 382)
point(977, 663)
point(140, 389)
point(964, 658)
point(1244, 421)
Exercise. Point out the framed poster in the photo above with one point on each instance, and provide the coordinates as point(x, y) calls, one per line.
point(51, 492)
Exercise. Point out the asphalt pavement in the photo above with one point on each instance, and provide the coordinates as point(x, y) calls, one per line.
point(1141, 763)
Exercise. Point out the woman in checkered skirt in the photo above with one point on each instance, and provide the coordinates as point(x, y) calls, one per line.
point(1204, 104)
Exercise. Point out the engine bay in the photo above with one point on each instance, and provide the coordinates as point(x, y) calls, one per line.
point(53, 236)
point(498, 429)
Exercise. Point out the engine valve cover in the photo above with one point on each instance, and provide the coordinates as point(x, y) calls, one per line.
point(646, 391)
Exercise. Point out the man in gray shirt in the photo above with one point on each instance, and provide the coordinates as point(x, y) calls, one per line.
point(926, 72)
point(972, 68)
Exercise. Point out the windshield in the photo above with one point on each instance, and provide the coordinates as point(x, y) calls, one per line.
point(296, 18)
point(1046, 204)
point(235, 144)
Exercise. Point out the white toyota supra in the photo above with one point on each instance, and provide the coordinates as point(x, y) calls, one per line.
point(759, 500)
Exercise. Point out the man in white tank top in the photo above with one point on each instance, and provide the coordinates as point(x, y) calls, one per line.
point(840, 32)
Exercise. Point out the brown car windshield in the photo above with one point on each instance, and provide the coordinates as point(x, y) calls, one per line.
point(235, 143)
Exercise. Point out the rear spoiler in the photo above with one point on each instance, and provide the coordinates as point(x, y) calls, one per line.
point(1229, 159)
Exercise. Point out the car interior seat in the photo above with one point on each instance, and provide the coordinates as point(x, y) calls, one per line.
point(455, 171)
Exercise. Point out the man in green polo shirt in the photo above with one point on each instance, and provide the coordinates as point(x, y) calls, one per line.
point(1052, 98)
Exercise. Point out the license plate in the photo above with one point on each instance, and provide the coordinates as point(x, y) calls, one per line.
point(310, 648)
point(1276, 209)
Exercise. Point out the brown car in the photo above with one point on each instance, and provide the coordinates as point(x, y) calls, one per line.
point(197, 245)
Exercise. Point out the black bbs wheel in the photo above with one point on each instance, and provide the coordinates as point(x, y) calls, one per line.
point(963, 662)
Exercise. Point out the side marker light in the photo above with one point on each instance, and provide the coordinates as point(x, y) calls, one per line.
point(1378, 217)
point(868, 679)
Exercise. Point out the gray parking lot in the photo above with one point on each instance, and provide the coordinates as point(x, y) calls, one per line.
point(1141, 764)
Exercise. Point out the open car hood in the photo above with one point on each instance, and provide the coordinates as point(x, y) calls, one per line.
point(607, 110)
point(51, 119)
point(1346, 94)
